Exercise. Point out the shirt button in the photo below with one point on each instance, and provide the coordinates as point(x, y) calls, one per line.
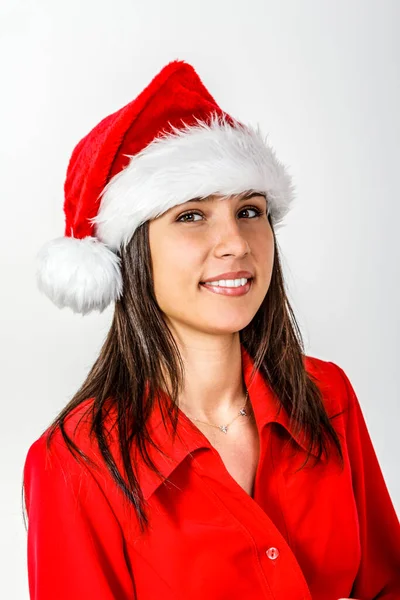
point(272, 553)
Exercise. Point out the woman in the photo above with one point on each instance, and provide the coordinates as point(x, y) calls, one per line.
point(205, 455)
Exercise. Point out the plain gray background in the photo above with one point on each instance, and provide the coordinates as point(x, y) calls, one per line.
point(321, 77)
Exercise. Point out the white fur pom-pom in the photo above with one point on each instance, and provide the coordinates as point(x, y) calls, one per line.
point(83, 274)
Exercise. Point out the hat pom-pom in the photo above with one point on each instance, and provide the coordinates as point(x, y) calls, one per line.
point(81, 273)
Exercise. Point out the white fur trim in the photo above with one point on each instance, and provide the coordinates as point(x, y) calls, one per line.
point(82, 274)
point(195, 161)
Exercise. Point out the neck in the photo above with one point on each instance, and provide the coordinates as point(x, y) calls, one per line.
point(213, 388)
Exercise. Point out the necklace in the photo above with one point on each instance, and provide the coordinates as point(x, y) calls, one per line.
point(224, 428)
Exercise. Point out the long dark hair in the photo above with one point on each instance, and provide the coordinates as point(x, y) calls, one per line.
point(139, 351)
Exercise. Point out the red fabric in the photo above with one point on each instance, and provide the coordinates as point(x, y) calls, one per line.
point(320, 533)
point(176, 93)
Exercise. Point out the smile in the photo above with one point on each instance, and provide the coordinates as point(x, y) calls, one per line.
point(229, 287)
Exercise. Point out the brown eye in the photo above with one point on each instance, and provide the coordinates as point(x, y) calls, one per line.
point(256, 210)
point(187, 214)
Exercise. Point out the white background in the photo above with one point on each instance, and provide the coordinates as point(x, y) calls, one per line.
point(321, 77)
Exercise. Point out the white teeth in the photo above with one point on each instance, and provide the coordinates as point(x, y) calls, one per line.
point(228, 282)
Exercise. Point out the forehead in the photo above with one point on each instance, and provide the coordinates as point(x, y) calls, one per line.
point(242, 196)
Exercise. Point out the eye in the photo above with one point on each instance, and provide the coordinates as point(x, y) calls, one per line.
point(255, 209)
point(188, 214)
point(182, 217)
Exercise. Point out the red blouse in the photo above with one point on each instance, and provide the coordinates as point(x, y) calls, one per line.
point(318, 533)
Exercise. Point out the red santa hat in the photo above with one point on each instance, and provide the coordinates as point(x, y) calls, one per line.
point(170, 144)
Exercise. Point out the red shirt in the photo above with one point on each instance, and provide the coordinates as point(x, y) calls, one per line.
point(320, 533)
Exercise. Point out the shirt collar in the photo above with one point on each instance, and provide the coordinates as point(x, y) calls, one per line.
point(267, 409)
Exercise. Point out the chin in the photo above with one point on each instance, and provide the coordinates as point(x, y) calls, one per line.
point(226, 325)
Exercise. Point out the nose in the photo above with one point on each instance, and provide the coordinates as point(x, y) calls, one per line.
point(231, 239)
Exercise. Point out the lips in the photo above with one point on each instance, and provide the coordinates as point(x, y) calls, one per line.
point(230, 275)
point(228, 291)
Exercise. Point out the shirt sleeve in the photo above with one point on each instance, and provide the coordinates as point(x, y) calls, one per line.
point(378, 577)
point(75, 547)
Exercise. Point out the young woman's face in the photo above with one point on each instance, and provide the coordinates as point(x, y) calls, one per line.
point(203, 240)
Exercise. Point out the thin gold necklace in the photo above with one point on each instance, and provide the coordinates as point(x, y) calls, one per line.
point(224, 428)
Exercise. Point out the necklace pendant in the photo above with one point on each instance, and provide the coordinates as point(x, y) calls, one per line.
point(243, 412)
point(224, 428)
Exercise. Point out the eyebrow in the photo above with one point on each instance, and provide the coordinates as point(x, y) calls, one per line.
point(245, 196)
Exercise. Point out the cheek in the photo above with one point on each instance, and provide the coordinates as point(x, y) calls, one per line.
point(176, 267)
point(263, 250)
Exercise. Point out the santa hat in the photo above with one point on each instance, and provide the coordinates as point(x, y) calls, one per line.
point(169, 145)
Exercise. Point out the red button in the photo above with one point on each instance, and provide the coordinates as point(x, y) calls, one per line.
point(272, 553)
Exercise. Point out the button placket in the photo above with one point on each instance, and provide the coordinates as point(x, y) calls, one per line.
point(257, 525)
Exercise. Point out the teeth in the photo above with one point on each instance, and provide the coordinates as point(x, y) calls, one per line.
point(228, 282)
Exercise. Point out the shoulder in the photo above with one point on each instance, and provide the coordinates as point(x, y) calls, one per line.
point(52, 470)
point(51, 456)
point(333, 382)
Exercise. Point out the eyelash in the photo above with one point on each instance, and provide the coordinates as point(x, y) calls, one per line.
point(196, 212)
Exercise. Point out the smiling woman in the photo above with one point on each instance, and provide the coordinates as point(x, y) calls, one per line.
point(180, 468)
point(228, 233)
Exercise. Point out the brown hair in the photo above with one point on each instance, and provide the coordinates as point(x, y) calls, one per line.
point(139, 348)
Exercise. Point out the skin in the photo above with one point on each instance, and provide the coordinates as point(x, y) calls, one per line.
point(219, 235)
